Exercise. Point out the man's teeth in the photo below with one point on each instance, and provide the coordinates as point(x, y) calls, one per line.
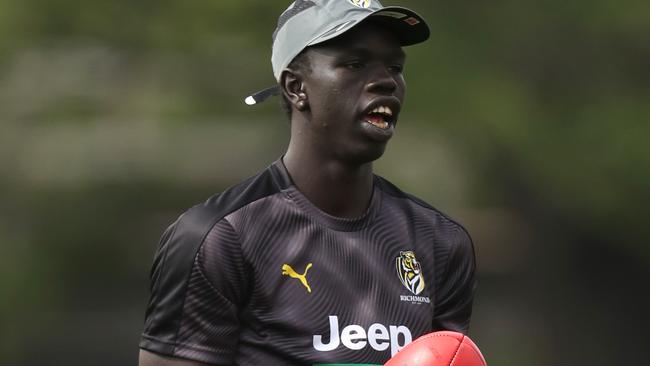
point(382, 124)
point(383, 110)
point(380, 117)
point(377, 120)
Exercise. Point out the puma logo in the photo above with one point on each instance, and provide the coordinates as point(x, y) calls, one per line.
point(288, 271)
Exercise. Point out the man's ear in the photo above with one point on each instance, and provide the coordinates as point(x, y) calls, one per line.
point(294, 89)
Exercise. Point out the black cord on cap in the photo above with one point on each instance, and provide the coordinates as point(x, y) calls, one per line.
point(262, 95)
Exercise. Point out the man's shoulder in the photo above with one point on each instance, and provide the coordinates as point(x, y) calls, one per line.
point(186, 235)
point(452, 237)
point(422, 206)
point(263, 184)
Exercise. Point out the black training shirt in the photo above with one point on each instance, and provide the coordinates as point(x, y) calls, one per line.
point(260, 276)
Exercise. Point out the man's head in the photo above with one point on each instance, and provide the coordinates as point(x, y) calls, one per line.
point(307, 23)
point(347, 93)
point(339, 64)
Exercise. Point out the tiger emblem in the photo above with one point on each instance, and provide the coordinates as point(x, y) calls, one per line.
point(409, 272)
point(361, 3)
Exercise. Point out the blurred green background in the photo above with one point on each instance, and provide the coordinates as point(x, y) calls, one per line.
point(528, 121)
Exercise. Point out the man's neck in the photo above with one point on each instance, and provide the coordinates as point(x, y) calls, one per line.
point(337, 188)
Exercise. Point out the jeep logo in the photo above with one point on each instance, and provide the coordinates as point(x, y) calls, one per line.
point(354, 337)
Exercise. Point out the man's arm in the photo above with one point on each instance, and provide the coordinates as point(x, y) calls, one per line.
point(151, 359)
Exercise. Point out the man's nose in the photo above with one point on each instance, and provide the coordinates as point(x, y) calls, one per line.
point(382, 81)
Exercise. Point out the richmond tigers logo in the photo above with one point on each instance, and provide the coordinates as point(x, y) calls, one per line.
point(410, 272)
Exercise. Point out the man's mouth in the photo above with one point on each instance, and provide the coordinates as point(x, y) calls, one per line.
point(380, 117)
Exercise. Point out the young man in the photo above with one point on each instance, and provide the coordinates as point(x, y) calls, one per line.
point(315, 260)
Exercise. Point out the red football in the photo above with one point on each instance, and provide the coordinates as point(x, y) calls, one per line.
point(439, 349)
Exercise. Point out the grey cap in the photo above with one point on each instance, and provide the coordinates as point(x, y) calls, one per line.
point(310, 22)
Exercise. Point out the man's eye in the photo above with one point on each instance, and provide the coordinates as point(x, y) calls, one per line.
point(396, 68)
point(354, 65)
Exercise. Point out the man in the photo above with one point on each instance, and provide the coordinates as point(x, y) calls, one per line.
point(315, 260)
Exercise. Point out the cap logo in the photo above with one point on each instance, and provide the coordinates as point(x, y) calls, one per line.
point(411, 21)
point(361, 3)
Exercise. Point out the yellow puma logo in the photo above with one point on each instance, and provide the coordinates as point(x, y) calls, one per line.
point(288, 271)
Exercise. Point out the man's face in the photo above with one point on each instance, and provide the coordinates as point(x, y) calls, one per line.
point(355, 91)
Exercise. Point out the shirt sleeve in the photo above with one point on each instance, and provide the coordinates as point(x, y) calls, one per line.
point(198, 285)
point(455, 293)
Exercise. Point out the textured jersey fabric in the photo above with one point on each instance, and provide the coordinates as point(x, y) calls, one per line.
point(260, 276)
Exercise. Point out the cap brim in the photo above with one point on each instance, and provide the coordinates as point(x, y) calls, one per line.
point(409, 27)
